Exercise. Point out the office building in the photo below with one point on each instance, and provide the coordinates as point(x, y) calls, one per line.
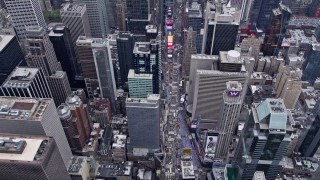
point(120, 15)
point(114, 57)
point(261, 13)
point(229, 117)
point(276, 30)
point(75, 123)
point(104, 69)
point(265, 139)
point(30, 157)
point(26, 82)
point(10, 55)
point(37, 117)
point(209, 84)
point(81, 167)
point(311, 66)
point(25, 13)
point(144, 122)
point(220, 29)
point(199, 62)
point(250, 47)
point(98, 17)
point(297, 7)
point(75, 17)
point(59, 86)
point(60, 38)
point(125, 46)
point(189, 49)
point(195, 20)
point(41, 54)
point(311, 141)
point(146, 60)
point(288, 85)
point(138, 15)
point(140, 85)
point(45, 5)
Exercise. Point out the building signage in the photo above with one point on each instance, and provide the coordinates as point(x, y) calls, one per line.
point(233, 93)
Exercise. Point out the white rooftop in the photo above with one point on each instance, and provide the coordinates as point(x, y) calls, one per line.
point(21, 77)
point(133, 75)
point(28, 153)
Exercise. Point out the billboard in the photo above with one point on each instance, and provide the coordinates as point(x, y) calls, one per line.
point(169, 28)
point(186, 152)
point(233, 93)
point(170, 39)
point(211, 143)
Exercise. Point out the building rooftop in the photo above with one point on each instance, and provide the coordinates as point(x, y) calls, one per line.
point(77, 165)
point(259, 175)
point(21, 77)
point(22, 108)
point(187, 170)
point(141, 48)
point(107, 170)
point(16, 148)
point(67, 7)
point(230, 57)
point(296, 36)
point(277, 111)
point(133, 75)
point(151, 99)
point(5, 40)
point(151, 28)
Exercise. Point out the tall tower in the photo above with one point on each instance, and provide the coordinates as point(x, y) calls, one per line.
point(75, 16)
point(31, 157)
point(195, 20)
point(276, 30)
point(64, 49)
point(121, 14)
point(138, 15)
point(75, 122)
point(311, 66)
point(220, 29)
point(10, 55)
point(229, 115)
point(41, 54)
point(144, 114)
point(37, 117)
point(25, 13)
point(189, 48)
point(288, 85)
point(265, 139)
point(26, 82)
point(104, 69)
point(98, 17)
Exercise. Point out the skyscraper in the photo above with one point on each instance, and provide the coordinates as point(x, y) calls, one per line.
point(140, 85)
point(75, 122)
point(189, 49)
point(311, 66)
point(261, 13)
point(25, 13)
point(146, 61)
point(98, 17)
point(37, 117)
point(31, 157)
point(276, 30)
point(229, 117)
point(210, 83)
point(10, 55)
point(104, 69)
point(138, 15)
point(195, 20)
point(220, 29)
point(265, 139)
point(120, 15)
point(125, 46)
point(41, 54)
point(144, 122)
point(26, 82)
point(75, 17)
point(311, 140)
point(288, 85)
point(64, 49)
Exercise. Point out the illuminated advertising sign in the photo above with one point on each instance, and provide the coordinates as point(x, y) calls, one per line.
point(170, 39)
point(169, 27)
point(211, 144)
point(233, 93)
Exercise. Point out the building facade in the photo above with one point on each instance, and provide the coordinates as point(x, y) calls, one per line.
point(38, 117)
point(31, 157)
point(140, 85)
point(144, 114)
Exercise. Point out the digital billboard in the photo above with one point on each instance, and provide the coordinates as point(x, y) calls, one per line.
point(233, 93)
